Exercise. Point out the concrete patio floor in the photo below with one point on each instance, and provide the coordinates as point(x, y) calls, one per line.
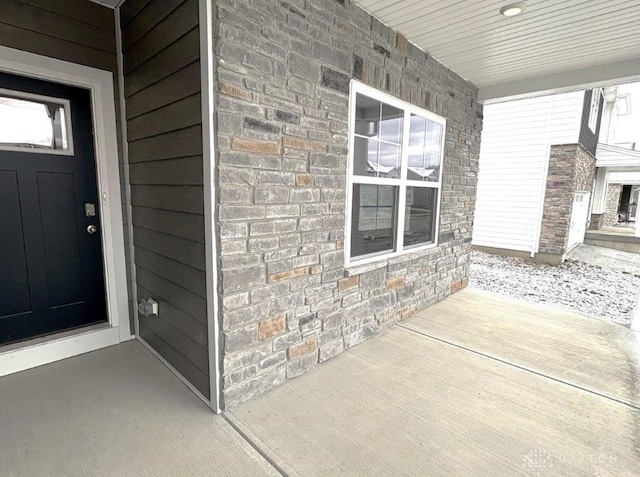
point(618, 237)
point(621, 261)
point(475, 385)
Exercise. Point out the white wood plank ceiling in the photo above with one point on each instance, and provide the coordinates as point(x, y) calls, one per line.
point(555, 45)
point(551, 37)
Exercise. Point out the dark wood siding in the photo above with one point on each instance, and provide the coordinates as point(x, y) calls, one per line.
point(78, 31)
point(588, 139)
point(164, 129)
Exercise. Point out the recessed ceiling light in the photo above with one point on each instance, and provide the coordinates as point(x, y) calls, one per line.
point(513, 9)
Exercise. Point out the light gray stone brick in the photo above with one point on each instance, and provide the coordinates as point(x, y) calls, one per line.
point(304, 67)
point(271, 227)
point(286, 341)
point(241, 338)
point(331, 349)
point(300, 366)
point(290, 63)
point(253, 387)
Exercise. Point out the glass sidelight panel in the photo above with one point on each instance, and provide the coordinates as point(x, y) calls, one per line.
point(36, 125)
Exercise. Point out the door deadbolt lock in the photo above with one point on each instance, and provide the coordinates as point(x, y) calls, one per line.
point(92, 229)
point(90, 209)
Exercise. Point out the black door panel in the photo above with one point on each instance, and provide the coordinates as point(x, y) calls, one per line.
point(51, 270)
point(14, 293)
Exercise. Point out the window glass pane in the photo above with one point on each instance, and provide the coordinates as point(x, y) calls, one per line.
point(389, 161)
point(373, 219)
point(32, 124)
point(391, 124)
point(433, 154)
point(376, 159)
point(365, 157)
point(417, 138)
point(424, 157)
point(367, 116)
point(420, 216)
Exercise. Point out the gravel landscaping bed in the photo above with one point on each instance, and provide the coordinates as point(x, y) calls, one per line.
point(575, 285)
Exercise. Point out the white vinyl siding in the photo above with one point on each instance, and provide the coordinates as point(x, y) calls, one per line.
point(514, 154)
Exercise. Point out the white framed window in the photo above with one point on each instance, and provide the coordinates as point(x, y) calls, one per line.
point(596, 94)
point(394, 176)
point(35, 123)
point(623, 104)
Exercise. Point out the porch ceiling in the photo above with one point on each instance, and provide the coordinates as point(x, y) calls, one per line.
point(552, 45)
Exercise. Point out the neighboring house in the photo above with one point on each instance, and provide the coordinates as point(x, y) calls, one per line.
point(537, 169)
point(618, 175)
point(286, 180)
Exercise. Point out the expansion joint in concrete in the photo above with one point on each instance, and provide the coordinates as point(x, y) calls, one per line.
point(523, 368)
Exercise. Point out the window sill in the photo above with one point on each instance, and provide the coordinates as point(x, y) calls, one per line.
point(357, 269)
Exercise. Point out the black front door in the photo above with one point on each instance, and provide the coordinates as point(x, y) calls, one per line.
point(51, 270)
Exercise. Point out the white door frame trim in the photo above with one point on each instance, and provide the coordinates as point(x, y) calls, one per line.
point(104, 123)
point(208, 81)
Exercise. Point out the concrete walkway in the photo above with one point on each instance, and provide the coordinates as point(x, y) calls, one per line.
point(627, 262)
point(475, 385)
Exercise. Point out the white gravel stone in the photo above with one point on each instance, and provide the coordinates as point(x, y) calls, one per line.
point(595, 291)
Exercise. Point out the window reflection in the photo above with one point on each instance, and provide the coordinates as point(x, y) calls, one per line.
point(419, 217)
point(378, 138)
point(32, 124)
point(373, 219)
point(425, 155)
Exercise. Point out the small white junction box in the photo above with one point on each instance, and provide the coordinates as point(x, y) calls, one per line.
point(148, 307)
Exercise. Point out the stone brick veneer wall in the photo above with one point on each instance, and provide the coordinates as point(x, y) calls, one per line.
point(288, 302)
point(597, 221)
point(612, 202)
point(571, 168)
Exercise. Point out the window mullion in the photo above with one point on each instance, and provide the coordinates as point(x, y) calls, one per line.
point(413, 183)
point(404, 153)
point(402, 192)
point(366, 254)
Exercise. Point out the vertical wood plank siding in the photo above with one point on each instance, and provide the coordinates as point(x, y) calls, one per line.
point(77, 31)
point(163, 110)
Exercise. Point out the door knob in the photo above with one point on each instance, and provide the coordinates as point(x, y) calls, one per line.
point(92, 229)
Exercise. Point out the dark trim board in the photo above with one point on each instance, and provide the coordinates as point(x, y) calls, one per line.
point(163, 34)
point(81, 10)
point(183, 83)
point(182, 250)
point(164, 111)
point(173, 144)
point(181, 171)
point(191, 373)
point(170, 223)
point(179, 115)
point(56, 25)
point(168, 61)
